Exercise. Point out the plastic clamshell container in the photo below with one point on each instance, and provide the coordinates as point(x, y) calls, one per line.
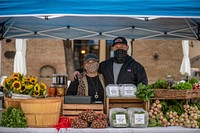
point(127, 90)
point(112, 90)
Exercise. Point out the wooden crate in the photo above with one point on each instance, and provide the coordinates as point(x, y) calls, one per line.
point(73, 110)
point(176, 94)
point(125, 103)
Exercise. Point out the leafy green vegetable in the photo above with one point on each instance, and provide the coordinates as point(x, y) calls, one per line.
point(173, 105)
point(13, 118)
point(193, 80)
point(155, 122)
point(159, 84)
point(144, 92)
point(183, 86)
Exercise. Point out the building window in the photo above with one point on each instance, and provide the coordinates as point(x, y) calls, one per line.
point(109, 51)
point(82, 47)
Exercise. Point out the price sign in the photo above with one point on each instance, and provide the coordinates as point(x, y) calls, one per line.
point(139, 118)
point(121, 119)
point(129, 91)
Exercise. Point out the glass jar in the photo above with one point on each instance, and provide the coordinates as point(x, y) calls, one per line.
point(52, 91)
point(60, 90)
point(55, 79)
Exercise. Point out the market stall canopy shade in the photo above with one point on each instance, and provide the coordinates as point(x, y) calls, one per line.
point(100, 19)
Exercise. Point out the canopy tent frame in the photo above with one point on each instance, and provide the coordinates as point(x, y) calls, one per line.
point(22, 32)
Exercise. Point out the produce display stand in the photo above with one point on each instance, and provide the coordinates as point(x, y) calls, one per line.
point(73, 110)
point(102, 130)
point(126, 103)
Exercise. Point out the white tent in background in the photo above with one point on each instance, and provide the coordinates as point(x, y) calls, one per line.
point(185, 66)
point(20, 56)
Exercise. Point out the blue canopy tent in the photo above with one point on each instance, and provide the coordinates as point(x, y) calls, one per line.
point(100, 19)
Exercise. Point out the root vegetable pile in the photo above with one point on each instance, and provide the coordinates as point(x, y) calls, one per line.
point(99, 124)
point(156, 115)
point(189, 117)
point(89, 118)
point(79, 123)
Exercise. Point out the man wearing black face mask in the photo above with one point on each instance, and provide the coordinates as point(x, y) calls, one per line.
point(122, 68)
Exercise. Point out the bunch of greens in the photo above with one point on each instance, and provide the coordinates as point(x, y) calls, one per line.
point(144, 92)
point(183, 86)
point(155, 122)
point(159, 84)
point(13, 118)
point(173, 105)
point(193, 80)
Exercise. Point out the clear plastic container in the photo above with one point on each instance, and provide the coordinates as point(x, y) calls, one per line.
point(127, 90)
point(138, 117)
point(118, 117)
point(112, 90)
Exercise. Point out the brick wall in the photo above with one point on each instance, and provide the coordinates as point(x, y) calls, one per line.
point(51, 52)
point(38, 54)
point(169, 58)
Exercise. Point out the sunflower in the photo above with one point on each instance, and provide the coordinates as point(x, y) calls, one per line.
point(33, 80)
point(7, 81)
point(23, 89)
point(43, 86)
point(16, 78)
point(36, 93)
point(37, 88)
point(24, 85)
point(16, 75)
point(16, 85)
point(29, 86)
point(44, 92)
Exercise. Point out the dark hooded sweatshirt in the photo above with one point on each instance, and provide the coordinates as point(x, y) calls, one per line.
point(131, 72)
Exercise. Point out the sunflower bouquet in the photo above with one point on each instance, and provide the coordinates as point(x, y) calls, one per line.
point(29, 85)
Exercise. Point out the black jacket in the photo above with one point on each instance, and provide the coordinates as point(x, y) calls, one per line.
point(131, 72)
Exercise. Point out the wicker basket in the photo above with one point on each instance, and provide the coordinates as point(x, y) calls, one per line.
point(11, 102)
point(43, 112)
point(15, 100)
point(176, 94)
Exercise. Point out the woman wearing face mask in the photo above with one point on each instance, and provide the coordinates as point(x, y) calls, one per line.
point(122, 68)
point(90, 82)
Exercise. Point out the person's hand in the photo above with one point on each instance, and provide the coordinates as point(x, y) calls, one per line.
point(74, 75)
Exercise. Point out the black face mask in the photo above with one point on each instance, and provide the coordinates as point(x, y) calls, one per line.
point(119, 55)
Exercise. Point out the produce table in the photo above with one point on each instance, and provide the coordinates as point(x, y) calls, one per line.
point(106, 130)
